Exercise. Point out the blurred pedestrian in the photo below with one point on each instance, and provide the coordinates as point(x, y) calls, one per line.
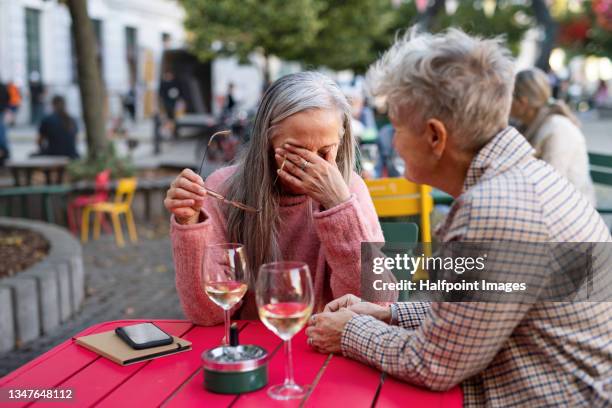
point(58, 132)
point(602, 94)
point(552, 129)
point(37, 98)
point(230, 102)
point(4, 104)
point(169, 94)
point(129, 103)
point(14, 101)
point(364, 123)
point(385, 165)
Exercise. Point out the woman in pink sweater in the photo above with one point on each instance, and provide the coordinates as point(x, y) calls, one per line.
point(313, 208)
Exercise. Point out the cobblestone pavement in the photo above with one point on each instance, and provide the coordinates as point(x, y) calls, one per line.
point(134, 282)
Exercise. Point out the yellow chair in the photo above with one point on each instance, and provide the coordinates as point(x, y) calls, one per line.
point(124, 195)
point(397, 197)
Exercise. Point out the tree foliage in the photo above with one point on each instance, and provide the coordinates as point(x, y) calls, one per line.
point(505, 21)
point(338, 34)
point(349, 34)
point(239, 27)
point(582, 34)
point(341, 34)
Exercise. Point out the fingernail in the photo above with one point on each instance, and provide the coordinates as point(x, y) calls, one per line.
point(278, 171)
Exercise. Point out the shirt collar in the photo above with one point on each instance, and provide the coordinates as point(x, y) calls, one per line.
point(506, 149)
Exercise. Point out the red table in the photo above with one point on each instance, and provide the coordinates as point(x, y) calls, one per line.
point(176, 381)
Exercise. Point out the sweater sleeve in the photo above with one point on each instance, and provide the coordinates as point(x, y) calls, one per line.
point(188, 242)
point(341, 230)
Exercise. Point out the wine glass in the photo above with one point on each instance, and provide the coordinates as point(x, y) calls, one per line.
point(225, 277)
point(284, 300)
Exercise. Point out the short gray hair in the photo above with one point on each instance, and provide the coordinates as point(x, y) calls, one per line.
point(464, 81)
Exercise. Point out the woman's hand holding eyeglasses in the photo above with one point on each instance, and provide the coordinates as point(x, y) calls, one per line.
point(318, 177)
point(185, 197)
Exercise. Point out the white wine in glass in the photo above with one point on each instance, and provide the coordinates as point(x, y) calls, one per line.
point(285, 300)
point(226, 294)
point(225, 277)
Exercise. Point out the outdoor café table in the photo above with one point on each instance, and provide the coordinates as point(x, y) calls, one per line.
point(46, 164)
point(177, 380)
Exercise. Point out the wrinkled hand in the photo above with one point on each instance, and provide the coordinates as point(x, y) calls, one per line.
point(325, 330)
point(185, 197)
point(371, 309)
point(356, 305)
point(318, 177)
point(343, 301)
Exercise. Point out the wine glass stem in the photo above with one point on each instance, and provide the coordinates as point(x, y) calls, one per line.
point(288, 364)
point(226, 316)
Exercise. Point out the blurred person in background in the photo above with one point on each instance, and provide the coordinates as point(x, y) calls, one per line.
point(552, 129)
point(602, 94)
point(385, 166)
point(230, 101)
point(4, 105)
point(129, 103)
point(14, 101)
point(364, 122)
point(58, 132)
point(169, 95)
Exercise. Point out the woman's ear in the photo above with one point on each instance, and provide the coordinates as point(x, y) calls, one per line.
point(437, 137)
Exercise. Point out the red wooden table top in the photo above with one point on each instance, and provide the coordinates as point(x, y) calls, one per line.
point(176, 381)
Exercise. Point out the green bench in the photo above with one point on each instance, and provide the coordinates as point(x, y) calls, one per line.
point(46, 193)
point(601, 173)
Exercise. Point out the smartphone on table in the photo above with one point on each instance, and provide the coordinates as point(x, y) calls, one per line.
point(143, 335)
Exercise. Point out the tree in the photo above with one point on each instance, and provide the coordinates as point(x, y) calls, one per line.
point(90, 80)
point(283, 28)
point(473, 20)
point(350, 34)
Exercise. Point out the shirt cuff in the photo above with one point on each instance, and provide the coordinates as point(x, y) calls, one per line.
point(358, 338)
point(411, 314)
point(337, 208)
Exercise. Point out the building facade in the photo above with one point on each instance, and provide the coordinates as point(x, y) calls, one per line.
point(36, 46)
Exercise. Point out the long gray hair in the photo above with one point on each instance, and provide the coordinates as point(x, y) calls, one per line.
point(253, 181)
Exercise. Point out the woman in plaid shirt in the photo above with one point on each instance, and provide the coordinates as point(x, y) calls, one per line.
point(449, 98)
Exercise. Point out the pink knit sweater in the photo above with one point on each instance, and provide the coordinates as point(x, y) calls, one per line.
point(329, 242)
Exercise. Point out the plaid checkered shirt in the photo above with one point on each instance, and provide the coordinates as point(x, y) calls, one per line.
point(503, 354)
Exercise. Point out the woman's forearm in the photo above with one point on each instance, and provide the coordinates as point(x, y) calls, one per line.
point(188, 243)
point(341, 230)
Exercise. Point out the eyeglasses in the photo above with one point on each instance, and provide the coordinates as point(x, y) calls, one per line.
point(215, 194)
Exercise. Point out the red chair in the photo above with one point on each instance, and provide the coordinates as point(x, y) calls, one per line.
point(100, 195)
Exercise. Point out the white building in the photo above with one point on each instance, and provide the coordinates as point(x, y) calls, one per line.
point(35, 37)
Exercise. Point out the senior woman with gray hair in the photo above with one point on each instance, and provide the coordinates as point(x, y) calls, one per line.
point(298, 171)
point(449, 97)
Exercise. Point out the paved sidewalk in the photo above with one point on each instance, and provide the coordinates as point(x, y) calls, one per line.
point(134, 282)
